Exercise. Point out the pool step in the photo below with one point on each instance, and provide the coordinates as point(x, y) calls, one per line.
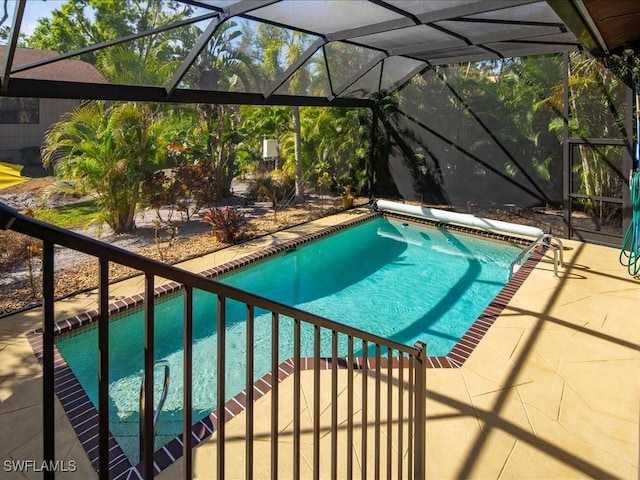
point(127, 431)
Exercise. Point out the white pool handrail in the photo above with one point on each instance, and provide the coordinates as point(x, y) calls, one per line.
point(156, 414)
point(542, 240)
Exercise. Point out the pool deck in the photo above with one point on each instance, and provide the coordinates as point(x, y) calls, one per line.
point(552, 391)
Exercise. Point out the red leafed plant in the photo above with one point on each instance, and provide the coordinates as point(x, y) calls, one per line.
point(226, 222)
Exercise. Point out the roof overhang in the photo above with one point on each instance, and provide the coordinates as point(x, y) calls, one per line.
point(604, 27)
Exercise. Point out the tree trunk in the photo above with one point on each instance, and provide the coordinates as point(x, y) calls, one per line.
point(297, 153)
point(130, 222)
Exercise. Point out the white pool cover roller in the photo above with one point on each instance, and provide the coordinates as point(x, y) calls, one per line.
point(459, 218)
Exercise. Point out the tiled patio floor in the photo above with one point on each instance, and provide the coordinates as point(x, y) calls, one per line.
point(552, 391)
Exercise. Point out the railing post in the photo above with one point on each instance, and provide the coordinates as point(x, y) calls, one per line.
point(296, 397)
point(249, 389)
point(275, 402)
point(376, 430)
point(48, 368)
point(221, 387)
point(316, 402)
point(103, 368)
point(365, 411)
point(400, 414)
point(420, 411)
point(350, 415)
point(149, 361)
point(187, 342)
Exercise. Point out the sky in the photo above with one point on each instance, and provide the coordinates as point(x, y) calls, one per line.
point(34, 10)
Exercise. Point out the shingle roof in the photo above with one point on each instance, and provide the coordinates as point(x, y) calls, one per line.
point(63, 70)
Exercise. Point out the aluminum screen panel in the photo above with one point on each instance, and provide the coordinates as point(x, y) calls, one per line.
point(326, 16)
point(396, 69)
point(366, 85)
point(496, 32)
point(531, 12)
point(334, 44)
point(408, 37)
point(310, 80)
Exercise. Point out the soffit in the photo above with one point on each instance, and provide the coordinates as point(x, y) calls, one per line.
point(603, 26)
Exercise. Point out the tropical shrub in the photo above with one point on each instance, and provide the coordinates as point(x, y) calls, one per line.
point(109, 149)
point(160, 190)
point(226, 222)
point(272, 188)
point(199, 182)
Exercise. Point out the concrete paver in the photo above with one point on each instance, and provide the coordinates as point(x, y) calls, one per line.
point(552, 391)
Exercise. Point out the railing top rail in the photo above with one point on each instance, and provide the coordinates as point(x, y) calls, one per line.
point(12, 219)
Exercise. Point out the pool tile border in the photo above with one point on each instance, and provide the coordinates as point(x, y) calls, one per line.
point(79, 409)
point(84, 422)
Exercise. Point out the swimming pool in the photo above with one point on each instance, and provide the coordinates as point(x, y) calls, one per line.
point(395, 279)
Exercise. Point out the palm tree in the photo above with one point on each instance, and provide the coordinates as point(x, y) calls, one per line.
point(300, 81)
point(109, 150)
point(214, 138)
point(123, 65)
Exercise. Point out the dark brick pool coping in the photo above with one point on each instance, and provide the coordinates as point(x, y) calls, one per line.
point(83, 416)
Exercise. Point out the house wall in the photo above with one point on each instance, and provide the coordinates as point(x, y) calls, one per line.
point(14, 138)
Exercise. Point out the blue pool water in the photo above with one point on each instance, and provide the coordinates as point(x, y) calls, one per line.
point(398, 281)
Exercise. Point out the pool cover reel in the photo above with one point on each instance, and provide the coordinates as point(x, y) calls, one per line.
point(459, 218)
point(630, 252)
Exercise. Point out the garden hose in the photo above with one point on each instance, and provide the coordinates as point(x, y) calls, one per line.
point(630, 253)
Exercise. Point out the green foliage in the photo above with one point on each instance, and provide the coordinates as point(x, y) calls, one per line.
point(223, 64)
point(123, 65)
point(479, 132)
point(109, 150)
point(226, 222)
point(338, 136)
point(81, 23)
point(258, 122)
point(212, 142)
point(595, 99)
point(69, 28)
point(112, 149)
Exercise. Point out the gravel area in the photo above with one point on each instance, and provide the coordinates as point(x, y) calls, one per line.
point(78, 272)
